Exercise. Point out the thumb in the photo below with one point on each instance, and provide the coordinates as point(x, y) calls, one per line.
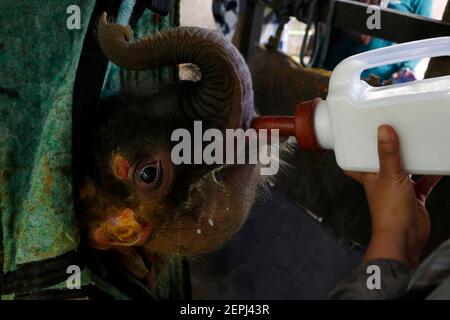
point(389, 152)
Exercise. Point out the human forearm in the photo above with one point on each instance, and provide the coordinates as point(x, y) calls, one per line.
point(388, 245)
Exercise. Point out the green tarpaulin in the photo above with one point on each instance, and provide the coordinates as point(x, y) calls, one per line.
point(39, 58)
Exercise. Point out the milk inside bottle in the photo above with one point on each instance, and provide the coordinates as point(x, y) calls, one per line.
point(419, 111)
point(347, 121)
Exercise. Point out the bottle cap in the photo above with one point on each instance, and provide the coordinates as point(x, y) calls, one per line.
point(300, 126)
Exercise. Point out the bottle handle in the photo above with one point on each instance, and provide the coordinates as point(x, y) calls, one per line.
point(346, 76)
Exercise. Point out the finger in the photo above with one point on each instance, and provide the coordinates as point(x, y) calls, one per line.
point(389, 152)
point(425, 185)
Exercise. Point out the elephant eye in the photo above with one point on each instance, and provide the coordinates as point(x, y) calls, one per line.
point(148, 174)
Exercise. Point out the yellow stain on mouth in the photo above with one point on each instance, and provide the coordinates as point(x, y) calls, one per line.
point(124, 227)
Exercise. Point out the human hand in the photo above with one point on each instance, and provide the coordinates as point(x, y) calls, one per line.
point(400, 221)
point(404, 75)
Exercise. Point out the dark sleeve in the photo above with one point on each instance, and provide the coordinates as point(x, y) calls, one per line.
point(365, 284)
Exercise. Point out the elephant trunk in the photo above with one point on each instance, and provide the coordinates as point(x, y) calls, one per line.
point(223, 94)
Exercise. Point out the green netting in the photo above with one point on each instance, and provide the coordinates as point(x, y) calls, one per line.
point(38, 63)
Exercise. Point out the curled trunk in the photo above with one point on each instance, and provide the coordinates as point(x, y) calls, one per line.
point(224, 92)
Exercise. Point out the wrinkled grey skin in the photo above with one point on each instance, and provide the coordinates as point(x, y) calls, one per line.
point(197, 207)
point(225, 90)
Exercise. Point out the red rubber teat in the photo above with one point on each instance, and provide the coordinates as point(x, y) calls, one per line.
point(300, 126)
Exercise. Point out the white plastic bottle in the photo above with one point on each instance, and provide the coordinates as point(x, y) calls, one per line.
point(347, 121)
point(419, 111)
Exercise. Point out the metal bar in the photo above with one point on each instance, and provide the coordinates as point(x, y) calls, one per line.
point(395, 26)
point(253, 21)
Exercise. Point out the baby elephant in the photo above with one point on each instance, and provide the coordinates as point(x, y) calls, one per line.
point(134, 195)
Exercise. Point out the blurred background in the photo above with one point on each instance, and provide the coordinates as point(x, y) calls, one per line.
point(199, 13)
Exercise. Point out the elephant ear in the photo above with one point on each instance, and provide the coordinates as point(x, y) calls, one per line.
point(224, 93)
